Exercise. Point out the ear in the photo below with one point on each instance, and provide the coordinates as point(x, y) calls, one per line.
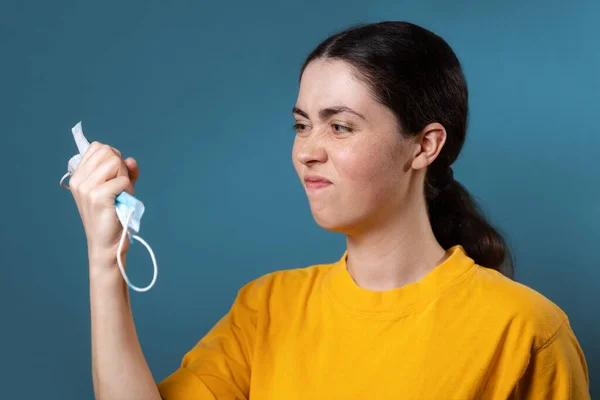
point(429, 143)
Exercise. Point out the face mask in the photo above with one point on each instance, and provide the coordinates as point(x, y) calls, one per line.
point(129, 210)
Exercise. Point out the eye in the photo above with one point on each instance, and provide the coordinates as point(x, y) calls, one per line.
point(298, 127)
point(341, 128)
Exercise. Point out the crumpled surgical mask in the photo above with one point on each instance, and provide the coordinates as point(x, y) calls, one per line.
point(129, 210)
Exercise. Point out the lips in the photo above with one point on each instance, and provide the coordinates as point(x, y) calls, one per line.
point(315, 182)
point(316, 179)
point(323, 181)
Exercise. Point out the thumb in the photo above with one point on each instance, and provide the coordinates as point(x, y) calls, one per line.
point(134, 170)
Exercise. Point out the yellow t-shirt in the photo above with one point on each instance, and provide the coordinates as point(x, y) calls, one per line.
point(462, 332)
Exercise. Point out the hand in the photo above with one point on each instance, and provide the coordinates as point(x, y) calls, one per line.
point(99, 178)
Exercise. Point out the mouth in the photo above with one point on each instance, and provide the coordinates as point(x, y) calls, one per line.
point(316, 183)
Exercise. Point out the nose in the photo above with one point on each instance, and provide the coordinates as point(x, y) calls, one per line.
point(311, 150)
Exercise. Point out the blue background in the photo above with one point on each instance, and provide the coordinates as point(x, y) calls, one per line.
point(201, 94)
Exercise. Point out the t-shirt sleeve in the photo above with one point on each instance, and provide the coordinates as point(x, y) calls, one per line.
point(557, 370)
point(218, 366)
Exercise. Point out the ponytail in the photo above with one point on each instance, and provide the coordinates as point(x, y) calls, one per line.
point(456, 218)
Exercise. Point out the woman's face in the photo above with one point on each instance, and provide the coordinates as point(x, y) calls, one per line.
point(351, 140)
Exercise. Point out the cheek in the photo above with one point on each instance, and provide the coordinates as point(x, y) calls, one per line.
point(368, 168)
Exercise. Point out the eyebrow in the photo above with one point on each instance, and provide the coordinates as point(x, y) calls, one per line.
point(328, 112)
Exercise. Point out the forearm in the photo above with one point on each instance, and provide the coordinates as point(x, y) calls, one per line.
point(119, 369)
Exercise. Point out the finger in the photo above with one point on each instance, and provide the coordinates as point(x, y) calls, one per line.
point(116, 186)
point(102, 152)
point(134, 170)
point(105, 194)
point(116, 151)
point(82, 171)
point(94, 146)
point(110, 168)
point(86, 168)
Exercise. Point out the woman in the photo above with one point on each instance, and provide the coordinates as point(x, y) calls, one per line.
point(420, 306)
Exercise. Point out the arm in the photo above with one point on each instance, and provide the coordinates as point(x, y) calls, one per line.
point(219, 366)
point(119, 369)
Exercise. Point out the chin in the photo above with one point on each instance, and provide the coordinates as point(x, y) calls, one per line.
point(332, 223)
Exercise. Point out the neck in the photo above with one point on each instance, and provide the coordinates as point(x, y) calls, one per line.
point(395, 253)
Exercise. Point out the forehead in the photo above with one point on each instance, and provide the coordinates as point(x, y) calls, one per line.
point(327, 83)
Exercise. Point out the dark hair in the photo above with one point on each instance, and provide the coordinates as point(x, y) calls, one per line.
point(415, 73)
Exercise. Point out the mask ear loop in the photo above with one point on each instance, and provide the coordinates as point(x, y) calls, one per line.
point(120, 249)
point(62, 185)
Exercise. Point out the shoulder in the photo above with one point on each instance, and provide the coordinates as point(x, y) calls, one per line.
point(519, 305)
point(286, 282)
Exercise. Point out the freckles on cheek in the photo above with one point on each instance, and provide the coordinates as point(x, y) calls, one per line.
point(360, 166)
